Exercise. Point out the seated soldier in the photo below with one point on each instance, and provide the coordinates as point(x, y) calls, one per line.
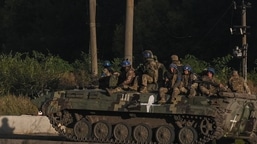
point(107, 78)
point(161, 71)
point(188, 84)
point(237, 83)
point(175, 60)
point(172, 82)
point(125, 79)
point(150, 71)
point(209, 85)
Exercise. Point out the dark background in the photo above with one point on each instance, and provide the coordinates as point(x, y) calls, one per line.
point(166, 27)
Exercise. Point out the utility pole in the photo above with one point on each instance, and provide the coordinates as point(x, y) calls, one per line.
point(93, 45)
point(242, 52)
point(128, 53)
point(244, 42)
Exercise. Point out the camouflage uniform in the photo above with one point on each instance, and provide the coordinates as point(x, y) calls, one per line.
point(161, 71)
point(209, 86)
point(237, 84)
point(125, 80)
point(175, 60)
point(150, 73)
point(172, 82)
point(188, 84)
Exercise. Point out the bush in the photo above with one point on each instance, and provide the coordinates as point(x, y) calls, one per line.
point(22, 74)
point(82, 67)
point(222, 68)
point(220, 65)
point(197, 65)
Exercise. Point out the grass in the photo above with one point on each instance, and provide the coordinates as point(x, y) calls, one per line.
point(17, 105)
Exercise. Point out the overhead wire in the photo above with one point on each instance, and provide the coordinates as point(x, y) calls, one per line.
point(212, 28)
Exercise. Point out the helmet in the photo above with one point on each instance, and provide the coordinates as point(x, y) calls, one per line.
point(235, 73)
point(147, 54)
point(172, 65)
point(174, 57)
point(107, 63)
point(187, 67)
point(209, 69)
point(125, 63)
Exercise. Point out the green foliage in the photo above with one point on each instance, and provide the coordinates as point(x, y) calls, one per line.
point(195, 63)
point(51, 69)
point(26, 75)
point(82, 69)
point(116, 64)
point(83, 63)
point(221, 67)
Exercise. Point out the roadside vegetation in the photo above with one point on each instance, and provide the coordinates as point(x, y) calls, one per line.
point(17, 105)
point(24, 76)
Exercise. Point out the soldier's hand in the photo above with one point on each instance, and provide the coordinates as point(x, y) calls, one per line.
point(116, 73)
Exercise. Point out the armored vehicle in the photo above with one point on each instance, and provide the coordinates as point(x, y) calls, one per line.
point(131, 117)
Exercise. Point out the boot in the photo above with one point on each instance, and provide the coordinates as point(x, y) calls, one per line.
point(143, 89)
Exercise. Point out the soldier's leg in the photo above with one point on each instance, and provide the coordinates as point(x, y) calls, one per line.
point(213, 91)
point(135, 84)
point(174, 94)
point(162, 94)
point(111, 91)
point(192, 92)
point(145, 80)
point(204, 90)
point(144, 83)
point(113, 81)
point(183, 90)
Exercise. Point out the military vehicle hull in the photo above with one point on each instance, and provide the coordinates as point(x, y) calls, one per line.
point(131, 117)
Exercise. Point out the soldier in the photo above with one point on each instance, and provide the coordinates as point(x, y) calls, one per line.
point(161, 71)
point(209, 85)
point(125, 79)
point(107, 78)
point(188, 84)
point(172, 82)
point(149, 71)
point(106, 74)
point(175, 60)
point(237, 84)
point(108, 70)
